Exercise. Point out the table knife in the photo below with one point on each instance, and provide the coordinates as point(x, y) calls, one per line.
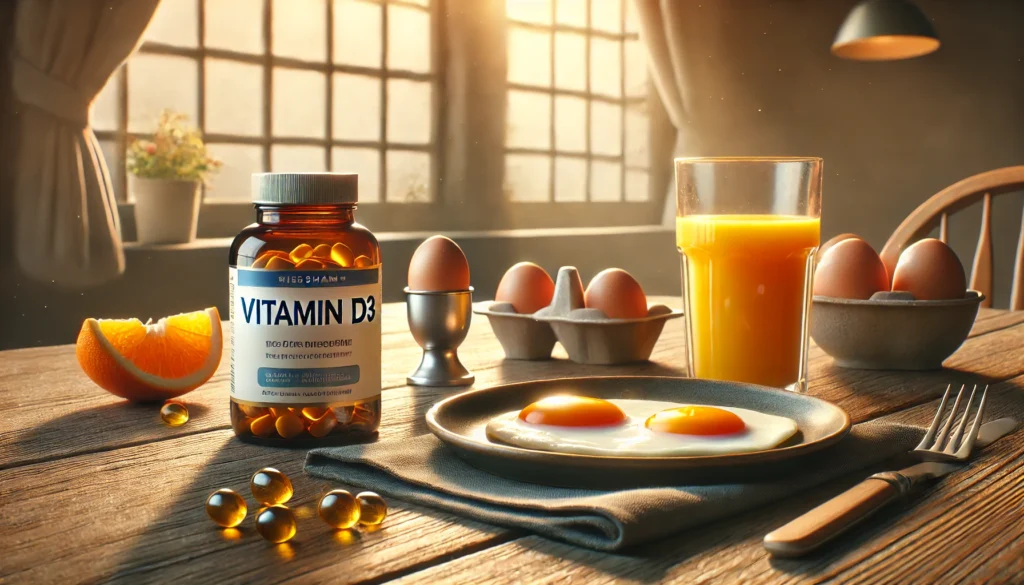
point(820, 525)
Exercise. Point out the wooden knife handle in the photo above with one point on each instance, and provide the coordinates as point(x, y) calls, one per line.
point(816, 527)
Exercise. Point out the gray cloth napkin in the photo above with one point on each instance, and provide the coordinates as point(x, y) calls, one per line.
point(423, 471)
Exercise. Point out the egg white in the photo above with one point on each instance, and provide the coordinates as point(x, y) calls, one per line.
point(633, 439)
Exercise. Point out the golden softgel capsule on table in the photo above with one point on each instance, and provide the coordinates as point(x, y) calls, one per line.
point(339, 509)
point(372, 508)
point(305, 288)
point(275, 523)
point(270, 487)
point(226, 508)
point(174, 413)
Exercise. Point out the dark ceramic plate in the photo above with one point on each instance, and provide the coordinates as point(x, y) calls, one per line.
point(459, 422)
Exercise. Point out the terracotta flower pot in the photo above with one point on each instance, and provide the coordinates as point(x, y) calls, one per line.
point(166, 210)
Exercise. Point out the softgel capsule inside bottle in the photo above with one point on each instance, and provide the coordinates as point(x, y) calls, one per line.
point(305, 287)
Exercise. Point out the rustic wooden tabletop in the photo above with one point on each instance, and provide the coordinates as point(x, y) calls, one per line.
point(93, 489)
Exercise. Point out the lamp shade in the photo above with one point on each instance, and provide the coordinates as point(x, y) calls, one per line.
point(884, 30)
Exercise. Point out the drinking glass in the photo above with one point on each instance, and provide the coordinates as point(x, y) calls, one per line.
point(747, 229)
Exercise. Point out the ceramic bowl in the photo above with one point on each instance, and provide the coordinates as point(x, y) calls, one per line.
point(891, 334)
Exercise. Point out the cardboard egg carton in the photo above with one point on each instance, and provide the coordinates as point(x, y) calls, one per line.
point(588, 335)
point(521, 336)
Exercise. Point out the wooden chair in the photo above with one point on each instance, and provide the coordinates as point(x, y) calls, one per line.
point(938, 207)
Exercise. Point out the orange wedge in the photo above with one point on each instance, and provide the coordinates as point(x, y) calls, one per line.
point(151, 361)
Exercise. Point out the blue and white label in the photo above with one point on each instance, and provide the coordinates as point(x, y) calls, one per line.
point(305, 337)
point(307, 278)
point(307, 377)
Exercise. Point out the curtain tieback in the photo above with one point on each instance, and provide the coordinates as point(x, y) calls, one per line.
point(34, 87)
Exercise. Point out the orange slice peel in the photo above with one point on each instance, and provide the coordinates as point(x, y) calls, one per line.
point(151, 361)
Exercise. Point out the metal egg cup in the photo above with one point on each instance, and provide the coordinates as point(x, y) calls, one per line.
point(439, 322)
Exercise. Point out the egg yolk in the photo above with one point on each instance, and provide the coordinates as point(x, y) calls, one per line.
point(696, 420)
point(573, 411)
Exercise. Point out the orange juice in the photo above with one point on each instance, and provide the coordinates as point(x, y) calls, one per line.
point(746, 292)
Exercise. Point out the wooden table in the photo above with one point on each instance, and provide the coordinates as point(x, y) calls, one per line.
point(94, 489)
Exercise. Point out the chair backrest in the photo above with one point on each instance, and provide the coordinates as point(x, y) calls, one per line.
point(938, 207)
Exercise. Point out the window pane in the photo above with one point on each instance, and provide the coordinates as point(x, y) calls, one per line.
point(174, 23)
point(528, 123)
point(299, 103)
point(605, 67)
point(637, 188)
point(605, 128)
point(570, 179)
point(637, 138)
point(409, 112)
point(106, 114)
point(112, 156)
point(236, 25)
point(408, 39)
point(233, 182)
point(570, 61)
point(605, 181)
point(156, 82)
point(297, 159)
point(358, 33)
point(606, 15)
point(366, 162)
point(408, 176)
point(635, 69)
point(632, 18)
point(527, 177)
point(572, 12)
point(234, 98)
point(570, 123)
point(356, 107)
point(529, 57)
point(538, 11)
point(299, 29)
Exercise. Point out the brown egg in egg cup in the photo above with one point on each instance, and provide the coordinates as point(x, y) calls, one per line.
point(439, 302)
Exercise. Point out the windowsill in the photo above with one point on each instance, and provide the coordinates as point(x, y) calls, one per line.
point(225, 243)
point(197, 244)
point(224, 219)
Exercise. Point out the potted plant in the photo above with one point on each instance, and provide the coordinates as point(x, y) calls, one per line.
point(165, 175)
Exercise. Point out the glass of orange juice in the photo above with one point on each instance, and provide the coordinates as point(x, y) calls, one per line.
point(747, 229)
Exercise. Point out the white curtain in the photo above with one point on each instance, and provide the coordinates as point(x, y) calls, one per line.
point(66, 226)
point(662, 24)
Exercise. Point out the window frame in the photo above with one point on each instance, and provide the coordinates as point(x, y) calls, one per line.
point(553, 92)
point(467, 144)
point(530, 214)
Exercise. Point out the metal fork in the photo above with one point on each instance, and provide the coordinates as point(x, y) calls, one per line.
point(943, 454)
point(935, 447)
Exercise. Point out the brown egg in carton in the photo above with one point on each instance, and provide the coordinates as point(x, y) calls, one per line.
point(589, 336)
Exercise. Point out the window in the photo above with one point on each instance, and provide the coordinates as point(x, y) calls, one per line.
point(577, 92)
point(287, 85)
point(457, 114)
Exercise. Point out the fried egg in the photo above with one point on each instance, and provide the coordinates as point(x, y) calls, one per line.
point(638, 428)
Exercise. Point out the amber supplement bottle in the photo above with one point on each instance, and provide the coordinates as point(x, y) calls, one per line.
point(305, 285)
